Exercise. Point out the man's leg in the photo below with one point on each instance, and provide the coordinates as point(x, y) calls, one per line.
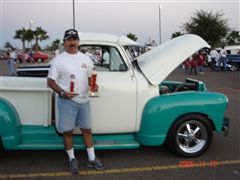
point(88, 141)
point(225, 64)
point(93, 161)
point(84, 122)
point(68, 144)
point(70, 151)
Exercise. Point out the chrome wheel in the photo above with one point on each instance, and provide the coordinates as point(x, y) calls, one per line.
point(191, 136)
point(233, 68)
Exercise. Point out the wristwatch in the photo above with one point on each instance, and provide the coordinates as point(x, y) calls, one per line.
point(61, 94)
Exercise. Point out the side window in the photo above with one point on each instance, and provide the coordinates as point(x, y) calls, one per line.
point(116, 63)
point(104, 58)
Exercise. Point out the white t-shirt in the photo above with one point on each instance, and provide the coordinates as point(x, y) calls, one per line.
point(64, 65)
point(13, 55)
point(223, 53)
point(214, 54)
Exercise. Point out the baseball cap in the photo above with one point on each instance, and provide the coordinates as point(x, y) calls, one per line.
point(70, 33)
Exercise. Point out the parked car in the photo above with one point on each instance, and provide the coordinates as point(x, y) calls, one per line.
point(229, 66)
point(39, 57)
point(134, 107)
point(31, 58)
point(234, 60)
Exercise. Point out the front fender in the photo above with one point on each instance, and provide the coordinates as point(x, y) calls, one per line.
point(10, 129)
point(161, 112)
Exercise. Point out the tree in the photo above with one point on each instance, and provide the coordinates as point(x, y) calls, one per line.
point(24, 35)
point(39, 35)
point(132, 36)
point(29, 36)
point(176, 34)
point(56, 44)
point(211, 27)
point(233, 38)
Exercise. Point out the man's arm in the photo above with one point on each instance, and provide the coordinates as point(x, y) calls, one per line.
point(52, 84)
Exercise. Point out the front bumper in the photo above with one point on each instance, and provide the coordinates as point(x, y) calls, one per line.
point(225, 127)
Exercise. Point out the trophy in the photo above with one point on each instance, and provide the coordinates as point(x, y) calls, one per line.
point(72, 83)
point(93, 81)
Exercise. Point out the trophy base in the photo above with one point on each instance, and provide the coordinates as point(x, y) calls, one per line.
point(93, 94)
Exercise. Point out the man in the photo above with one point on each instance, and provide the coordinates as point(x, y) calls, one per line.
point(11, 62)
point(214, 58)
point(223, 59)
point(69, 76)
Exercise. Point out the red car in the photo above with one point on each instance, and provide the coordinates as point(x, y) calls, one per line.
point(39, 57)
point(36, 57)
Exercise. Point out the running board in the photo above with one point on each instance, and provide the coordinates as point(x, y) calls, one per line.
point(38, 138)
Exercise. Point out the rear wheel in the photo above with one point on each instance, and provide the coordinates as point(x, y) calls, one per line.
point(190, 136)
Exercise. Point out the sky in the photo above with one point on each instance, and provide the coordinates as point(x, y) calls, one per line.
point(116, 17)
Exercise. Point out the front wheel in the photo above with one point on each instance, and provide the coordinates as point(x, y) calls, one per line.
point(190, 136)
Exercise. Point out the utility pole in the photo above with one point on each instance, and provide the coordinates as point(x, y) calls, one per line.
point(160, 38)
point(73, 14)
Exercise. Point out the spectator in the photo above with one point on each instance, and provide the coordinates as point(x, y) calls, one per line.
point(11, 62)
point(106, 57)
point(214, 58)
point(187, 65)
point(200, 62)
point(223, 59)
point(193, 68)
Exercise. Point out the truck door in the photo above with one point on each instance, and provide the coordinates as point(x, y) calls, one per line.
point(114, 110)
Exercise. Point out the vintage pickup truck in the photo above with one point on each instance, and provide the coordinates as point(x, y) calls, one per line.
point(134, 107)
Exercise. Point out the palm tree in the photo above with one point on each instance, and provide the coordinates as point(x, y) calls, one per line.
point(20, 34)
point(39, 35)
point(24, 35)
point(55, 44)
point(29, 36)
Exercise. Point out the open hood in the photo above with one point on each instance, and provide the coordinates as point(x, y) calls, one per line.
point(159, 62)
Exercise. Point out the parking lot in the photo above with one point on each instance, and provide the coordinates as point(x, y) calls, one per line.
point(221, 161)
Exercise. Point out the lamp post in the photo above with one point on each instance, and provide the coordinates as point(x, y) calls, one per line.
point(160, 38)
point(30, 24)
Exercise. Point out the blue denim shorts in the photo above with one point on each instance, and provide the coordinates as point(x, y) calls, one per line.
point(72, 114)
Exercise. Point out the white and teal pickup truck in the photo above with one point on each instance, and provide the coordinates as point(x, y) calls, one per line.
point(134, 107)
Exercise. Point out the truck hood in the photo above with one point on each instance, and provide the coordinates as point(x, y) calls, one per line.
point(159, 62)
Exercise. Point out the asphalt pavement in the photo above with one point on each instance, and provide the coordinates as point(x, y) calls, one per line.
point(221, 161)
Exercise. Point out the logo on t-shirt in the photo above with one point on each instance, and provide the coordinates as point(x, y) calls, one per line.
point(84, 65)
